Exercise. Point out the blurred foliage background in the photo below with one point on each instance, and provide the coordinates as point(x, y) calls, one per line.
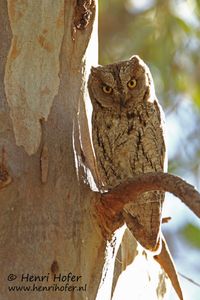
point(166, 35)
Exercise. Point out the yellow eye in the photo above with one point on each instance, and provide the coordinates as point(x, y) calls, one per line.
point(107, 89)
point(132, 83)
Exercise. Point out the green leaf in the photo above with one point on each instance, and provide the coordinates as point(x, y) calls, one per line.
point(183, 25)
point(192, 234)
point(196, 95)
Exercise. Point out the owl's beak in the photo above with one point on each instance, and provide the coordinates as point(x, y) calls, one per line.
point(122, 102)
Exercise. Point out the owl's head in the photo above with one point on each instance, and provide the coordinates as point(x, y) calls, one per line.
point(122, 85)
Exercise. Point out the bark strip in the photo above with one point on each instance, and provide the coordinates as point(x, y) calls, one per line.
point(166, 262)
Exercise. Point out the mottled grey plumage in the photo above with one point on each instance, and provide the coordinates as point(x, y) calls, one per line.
point(128, 138)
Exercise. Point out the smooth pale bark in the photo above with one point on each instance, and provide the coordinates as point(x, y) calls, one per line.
point(48, 224)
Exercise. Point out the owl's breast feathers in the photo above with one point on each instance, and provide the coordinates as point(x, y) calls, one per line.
point(126, 144)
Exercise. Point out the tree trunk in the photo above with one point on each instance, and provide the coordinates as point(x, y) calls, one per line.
point(48, 222)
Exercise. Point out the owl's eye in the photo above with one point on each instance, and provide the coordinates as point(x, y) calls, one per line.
point(132, 83)
point(107, 89)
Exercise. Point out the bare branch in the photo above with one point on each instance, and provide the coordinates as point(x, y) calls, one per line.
point(189, 279)
point(159, 181)
point(166, 220)
point(109, 206)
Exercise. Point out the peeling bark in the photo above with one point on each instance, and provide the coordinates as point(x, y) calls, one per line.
point(83, 13)
point(32, 67)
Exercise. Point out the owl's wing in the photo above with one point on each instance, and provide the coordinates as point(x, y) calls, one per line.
point(162, 136)
point(143, 215)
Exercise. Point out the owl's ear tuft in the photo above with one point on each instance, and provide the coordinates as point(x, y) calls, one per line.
point(138, 64)
point(94, 71)
point(135, 59)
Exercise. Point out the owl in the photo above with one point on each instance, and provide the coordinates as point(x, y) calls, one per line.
point(128, 139)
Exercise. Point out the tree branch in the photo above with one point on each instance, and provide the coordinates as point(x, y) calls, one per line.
point(154, 181)
point(110, 204)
